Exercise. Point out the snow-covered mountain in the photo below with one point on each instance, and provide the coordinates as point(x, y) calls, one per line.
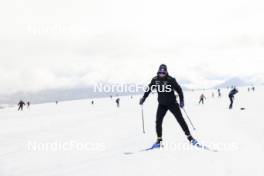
point(52, 95)
point(233, 82)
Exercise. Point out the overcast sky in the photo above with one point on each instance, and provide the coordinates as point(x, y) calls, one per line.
point(67, 43)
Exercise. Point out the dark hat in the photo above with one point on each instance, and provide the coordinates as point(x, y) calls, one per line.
point(162, 69)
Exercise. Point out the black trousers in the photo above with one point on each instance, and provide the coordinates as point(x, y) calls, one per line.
point(231, 102)
point(201, 101)
point(20, 108)
point(175, 110)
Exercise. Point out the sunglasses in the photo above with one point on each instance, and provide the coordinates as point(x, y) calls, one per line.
point(162, 73)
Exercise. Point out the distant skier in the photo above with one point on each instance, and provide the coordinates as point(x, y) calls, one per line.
point(165, 85)
point(219, 93)
point(253, 88)
point(202, 98)
point(118, 102)
point(21, 105)
point(28, 104)
point(248, 89)
point(56, 102)
point(213, 94)
point(92, 102)
point(231, 97)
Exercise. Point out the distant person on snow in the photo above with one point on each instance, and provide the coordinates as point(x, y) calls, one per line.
point(213, 95)
point(21, 104)
point(231, 97)
point(28, 104)
point(92, 102)
point(202, 98)
point(165, 85)
point(118, 102)
point(219, 93)
point(253, 88)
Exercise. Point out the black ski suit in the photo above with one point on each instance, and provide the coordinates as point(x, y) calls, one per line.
point(231, 97)
point(167, 101)
point(21, 104)
point(117, 102)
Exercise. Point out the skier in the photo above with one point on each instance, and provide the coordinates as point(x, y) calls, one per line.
point(219, 93)
point(165, 85)
point(118, 102)
point(21, 104)
point(253, 88)
point(28, 104)
point(231, 96)
point(202, 98)
point(213, 94)
point(92, 102)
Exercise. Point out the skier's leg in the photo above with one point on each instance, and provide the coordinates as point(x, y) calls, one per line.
point(231, 102)
point(159, 119)
point(175, 110)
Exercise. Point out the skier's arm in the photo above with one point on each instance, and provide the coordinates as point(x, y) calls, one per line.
point(178, 89)
point(149, 88)
point(147, 92)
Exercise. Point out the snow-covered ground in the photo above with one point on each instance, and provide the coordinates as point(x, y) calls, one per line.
point(92, 139)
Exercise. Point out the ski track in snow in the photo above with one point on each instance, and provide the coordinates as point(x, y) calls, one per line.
point(120, 131)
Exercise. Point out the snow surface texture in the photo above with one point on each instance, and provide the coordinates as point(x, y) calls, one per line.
point(109, 132)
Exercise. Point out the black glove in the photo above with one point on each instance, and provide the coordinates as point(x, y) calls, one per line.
point(181, 104)
point(142, 100)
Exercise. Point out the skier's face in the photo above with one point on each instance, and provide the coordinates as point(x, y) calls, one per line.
point(162, 74)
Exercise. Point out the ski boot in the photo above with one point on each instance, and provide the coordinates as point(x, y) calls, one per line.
point(192, 140)
point(158, 143)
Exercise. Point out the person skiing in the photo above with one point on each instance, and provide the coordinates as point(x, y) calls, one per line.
point(21, 104)
point(28, 104)
point(118, 102)
point(219, 93)
point(231, 96)
point(202, 98)
point(165, 85)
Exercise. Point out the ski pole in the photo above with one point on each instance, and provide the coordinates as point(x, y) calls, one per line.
point(142, 115)
point(189, 119)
